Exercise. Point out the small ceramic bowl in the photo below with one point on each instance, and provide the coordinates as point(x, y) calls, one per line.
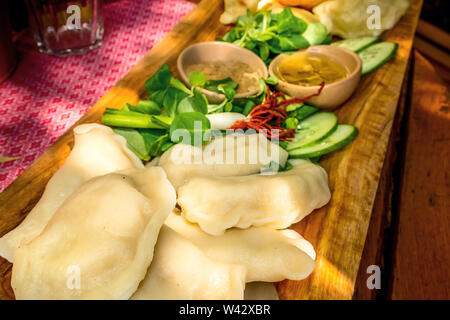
point(214, 51)
point(334, 94)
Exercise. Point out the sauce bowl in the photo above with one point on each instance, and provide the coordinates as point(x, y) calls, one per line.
point(215, 51)
point(332, 95)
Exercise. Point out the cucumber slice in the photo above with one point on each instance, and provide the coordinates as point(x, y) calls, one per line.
point(357, 44)
point(328, 39)
point(315, 33)
point(305, 111)
point(339, 138)
point(312, 129)
point(375, 56)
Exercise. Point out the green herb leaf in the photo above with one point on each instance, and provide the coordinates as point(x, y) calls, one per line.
point(228, 106)
point(156, 147)
point(177, 84)
point(264, 51)
point(172, 99)
point(248, 107)
point(291, 123)
point(146, 107)
point(126, 107)
point(305, 111)
point(197, 79)
point(158, 96)
point(293, 43)
point(160, 80)
point(190, 128)
point(287, 167)
point(213, 85)
point(271, 80)
point(135, 142)
point(288, 23)
point(315, 160)
point(294, 106)
point(228, 92)
point(195, 103)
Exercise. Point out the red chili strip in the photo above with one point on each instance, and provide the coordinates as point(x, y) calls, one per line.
point(272, 111)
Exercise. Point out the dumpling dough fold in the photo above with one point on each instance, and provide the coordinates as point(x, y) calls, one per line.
point(357, 18)
point(99, 244)
point(235, 154)
point(236, 8)
point(260, 291)
point(266, 254)
point(181, 271)
point(97, 151)
point(277, 201)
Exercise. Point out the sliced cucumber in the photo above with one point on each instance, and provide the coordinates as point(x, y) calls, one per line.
point(375, 56)
point(316, 33)
point(328, 39)
point(305, 111)
point(357, 44)
point(343, 134)
point(312, 129)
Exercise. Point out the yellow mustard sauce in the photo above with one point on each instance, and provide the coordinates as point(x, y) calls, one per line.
point(310, 69)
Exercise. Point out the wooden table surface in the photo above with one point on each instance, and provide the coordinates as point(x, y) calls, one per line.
point(337, 231)
point(409, 234)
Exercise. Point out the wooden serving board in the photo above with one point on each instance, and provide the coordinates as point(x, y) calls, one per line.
point(337, 231)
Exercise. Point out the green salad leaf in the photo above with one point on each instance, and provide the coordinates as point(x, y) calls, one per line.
point(172, 99)
point(160, 80)
point(190, 128)
point(195, 103)
point(226, 83)
point(197, 79)
point(146, 107)
point(268, 34)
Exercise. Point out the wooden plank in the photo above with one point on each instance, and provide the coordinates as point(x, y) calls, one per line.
point(422, 253)
point(377, 242)
point(434, 34)
point(337, 231)
point(432, 51)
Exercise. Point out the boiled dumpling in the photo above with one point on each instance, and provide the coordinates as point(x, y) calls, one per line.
point(260, 291)
point(181, 271)
point(277, 201)
point(97, 151)
point(236, 8)
point(360, 18)
point(267, 254)
point(235, 154)
point(99, 244)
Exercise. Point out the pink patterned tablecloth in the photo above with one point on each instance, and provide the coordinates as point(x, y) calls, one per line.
point(46, 94)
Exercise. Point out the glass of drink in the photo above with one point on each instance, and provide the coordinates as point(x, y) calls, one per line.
point(64, 27)
point(8, 59)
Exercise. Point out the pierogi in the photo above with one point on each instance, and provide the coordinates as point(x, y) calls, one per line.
point(235, 154)
point(99, 244)
point(276, 201)
point(266, 254)
point(181, 271)
point(97, 151)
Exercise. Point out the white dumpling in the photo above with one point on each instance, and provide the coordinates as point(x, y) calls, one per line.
point(267, 254)
point(181, 271)
point(277, 201)
point(97, 151)
point(235, 154)
point(260, 291)
point(99, 244)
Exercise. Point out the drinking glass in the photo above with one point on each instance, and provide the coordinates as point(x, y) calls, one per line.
point(64, 27)
point(8, 59)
